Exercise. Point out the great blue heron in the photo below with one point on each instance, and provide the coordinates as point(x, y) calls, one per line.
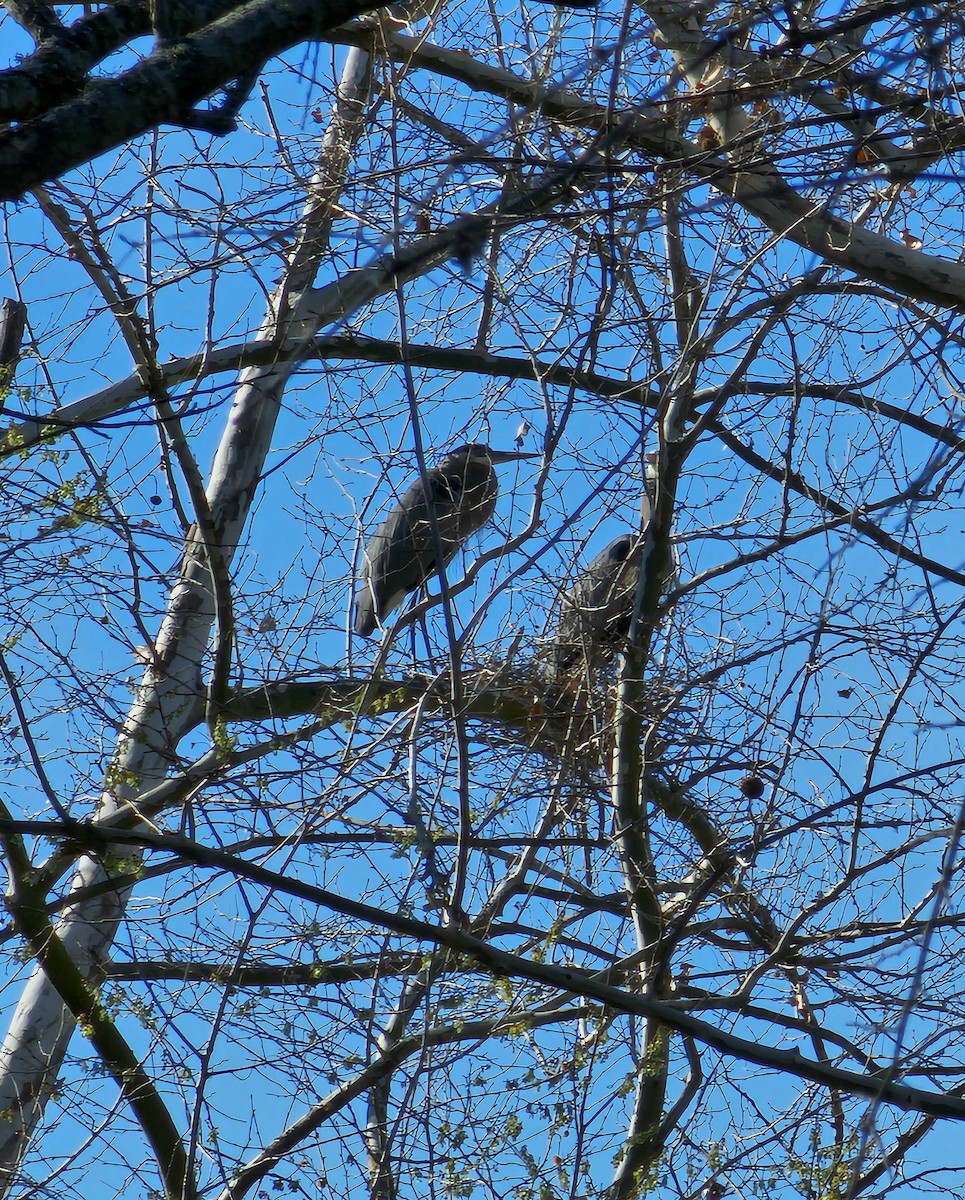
point(461, 492)
point(595, 613)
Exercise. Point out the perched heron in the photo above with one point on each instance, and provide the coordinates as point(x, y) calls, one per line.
point(461, 492)
point(595, 613)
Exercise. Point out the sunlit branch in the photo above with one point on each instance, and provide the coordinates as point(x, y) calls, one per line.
point(758, 188)
point(82, 999)
point(502, 964)
point(392, 1058)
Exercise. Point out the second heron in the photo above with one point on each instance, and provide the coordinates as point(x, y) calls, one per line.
point(596, 611)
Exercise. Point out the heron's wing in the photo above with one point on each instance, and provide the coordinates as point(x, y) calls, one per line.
point(365, 621)
point(387, 549)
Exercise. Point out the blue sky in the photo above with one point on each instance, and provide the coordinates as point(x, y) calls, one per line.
point(820, 663)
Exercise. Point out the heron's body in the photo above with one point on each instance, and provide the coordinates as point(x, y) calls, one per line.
point(404, 552)
point(595, 613)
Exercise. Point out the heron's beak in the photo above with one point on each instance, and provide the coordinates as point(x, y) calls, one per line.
point(501, 456)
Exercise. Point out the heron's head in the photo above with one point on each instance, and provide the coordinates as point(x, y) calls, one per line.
point(479, 452)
